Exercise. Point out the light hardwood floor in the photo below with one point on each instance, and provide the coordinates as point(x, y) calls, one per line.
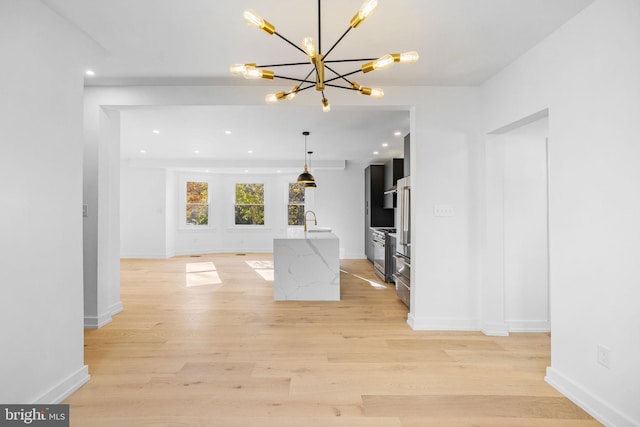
point(202, 343)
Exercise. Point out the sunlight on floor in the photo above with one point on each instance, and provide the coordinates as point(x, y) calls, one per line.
point(201, 274)
point(263, 268)
point(371, 282)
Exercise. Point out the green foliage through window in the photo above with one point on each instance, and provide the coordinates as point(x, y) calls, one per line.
point(296, 204)
point(249, 207)
point(197, 212)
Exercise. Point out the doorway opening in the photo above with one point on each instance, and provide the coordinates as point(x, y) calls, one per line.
point(516, 233)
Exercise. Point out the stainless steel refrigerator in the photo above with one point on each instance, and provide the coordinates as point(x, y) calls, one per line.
point(402, 274)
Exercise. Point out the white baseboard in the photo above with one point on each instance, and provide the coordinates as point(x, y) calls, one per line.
point(64, 388)
point(353, 255)
point(97, 322)
point(593, 405)
point(434, 324)
point(346, 255)
point(529, 325)
point(225, 251)
point(116, 308)
point(495, 329)
point(143, 255)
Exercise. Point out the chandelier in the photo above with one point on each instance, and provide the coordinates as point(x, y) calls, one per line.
point(319, 61)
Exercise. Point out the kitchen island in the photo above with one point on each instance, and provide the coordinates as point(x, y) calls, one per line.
point(306, 266)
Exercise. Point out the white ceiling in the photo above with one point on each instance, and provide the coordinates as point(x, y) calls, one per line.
point(187, 42)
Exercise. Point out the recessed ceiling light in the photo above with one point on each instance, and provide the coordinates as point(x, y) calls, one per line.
point(90, 73)
point(250, 151)
point(227, 132)
point(143, 151)
point(196, 151)
point(155, 131)
point(375, 153)
point(397, 133)
point(384, 144)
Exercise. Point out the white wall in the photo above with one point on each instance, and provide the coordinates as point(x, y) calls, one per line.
point(41, 316)
point(586, 74)
point(444, 151)
point(525, 228)
point(445, 147)
point(146, 226)
point(143, 194)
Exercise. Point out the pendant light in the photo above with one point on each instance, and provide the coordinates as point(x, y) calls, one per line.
point(310, 184)
point(305, 177)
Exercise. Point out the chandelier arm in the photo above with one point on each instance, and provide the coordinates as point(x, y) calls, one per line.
point(336, 73)
point(319, 30)
point(288, 41)
point(343, 76)
point(282, 65)
point(275, 76)
point(336, 43)
point(341, 87)
point(351, 60)
point(306, 87)
point(310, 72)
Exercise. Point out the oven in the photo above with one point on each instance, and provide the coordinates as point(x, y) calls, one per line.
point(379, 252)
point(383, 251)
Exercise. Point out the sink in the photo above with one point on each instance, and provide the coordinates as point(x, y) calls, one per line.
point(319, 229)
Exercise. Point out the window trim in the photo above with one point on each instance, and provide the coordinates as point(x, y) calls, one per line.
point(262, 226)
point(183, 225)
point(287, 204)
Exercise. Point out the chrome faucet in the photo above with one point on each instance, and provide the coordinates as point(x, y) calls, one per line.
point(315, 220)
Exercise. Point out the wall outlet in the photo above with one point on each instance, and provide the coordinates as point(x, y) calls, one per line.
point(443, 210)
point(85, 211)
point(604, 356)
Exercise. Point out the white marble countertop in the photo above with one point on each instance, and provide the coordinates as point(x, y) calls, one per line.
point(294, 233)
point(306, 266)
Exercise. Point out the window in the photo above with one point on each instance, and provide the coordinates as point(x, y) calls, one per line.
point(197, 208)
point(249, 207)
point(296, 204)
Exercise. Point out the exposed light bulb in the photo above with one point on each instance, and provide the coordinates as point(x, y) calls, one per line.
point(366, 10)
point(309, 46)
point(252, 18)
point(238, 69)
point(293, 92)
point(326, 107)
point(272, 98)
point(376, 92)
point(382, 62)
point(252, 72)
point(409, 57)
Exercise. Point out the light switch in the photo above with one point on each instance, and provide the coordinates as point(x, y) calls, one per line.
point(443, 210)
point(85, 211)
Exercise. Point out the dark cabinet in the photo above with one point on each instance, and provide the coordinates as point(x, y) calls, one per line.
point(374, 212)
point(393, 171)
